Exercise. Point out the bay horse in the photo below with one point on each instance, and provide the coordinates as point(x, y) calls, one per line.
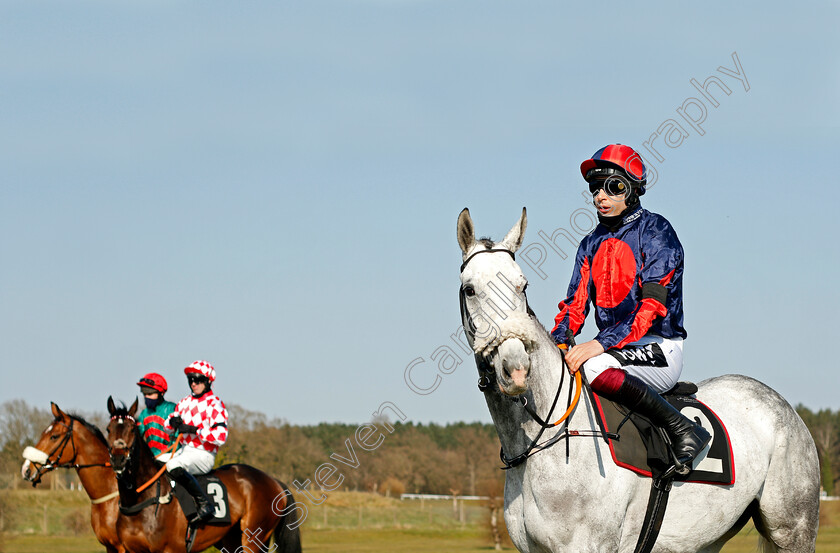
point(71, 442)
point(260, 506)
point(575, 498)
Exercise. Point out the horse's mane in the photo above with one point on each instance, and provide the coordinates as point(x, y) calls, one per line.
point(94, 429)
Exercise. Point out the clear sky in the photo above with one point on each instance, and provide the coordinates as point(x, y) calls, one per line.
point(274, 187)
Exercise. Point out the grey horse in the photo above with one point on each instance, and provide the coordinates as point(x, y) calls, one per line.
point(585, 503)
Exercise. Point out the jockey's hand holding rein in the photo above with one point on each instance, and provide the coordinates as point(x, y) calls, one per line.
point(580, 354)
point(180, 427)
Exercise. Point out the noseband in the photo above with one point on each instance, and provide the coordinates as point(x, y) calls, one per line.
point(120, 445)
point(487, 374)
point(59, 449)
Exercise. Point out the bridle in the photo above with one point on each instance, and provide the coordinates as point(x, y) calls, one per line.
point(487, 378)
point(125, 475)
point(119, 447)
point(67, 438)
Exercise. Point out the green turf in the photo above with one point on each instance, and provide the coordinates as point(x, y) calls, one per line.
point(347, 522)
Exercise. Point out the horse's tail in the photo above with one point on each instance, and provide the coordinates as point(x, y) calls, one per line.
point(286, 533)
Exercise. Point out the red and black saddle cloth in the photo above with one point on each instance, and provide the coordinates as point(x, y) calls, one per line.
point(641, 448)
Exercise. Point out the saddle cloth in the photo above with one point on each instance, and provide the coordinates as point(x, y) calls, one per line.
point(641, 449)
point(215, 490)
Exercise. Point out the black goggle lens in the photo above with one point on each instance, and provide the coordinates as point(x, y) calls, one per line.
point(613, 186)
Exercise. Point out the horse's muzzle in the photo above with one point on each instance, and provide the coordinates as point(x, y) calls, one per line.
point(513, 365)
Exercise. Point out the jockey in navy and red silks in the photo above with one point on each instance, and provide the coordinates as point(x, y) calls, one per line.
point(201, 419)
point(631, 268)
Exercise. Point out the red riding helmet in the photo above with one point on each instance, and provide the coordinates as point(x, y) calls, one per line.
point(203, 368)
point(154, 381)
point(618, 156)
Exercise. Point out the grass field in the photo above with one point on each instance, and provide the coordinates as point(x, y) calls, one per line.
point(347, 522)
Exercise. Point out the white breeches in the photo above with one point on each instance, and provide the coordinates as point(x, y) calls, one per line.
point(656, 361)
point(192, 460)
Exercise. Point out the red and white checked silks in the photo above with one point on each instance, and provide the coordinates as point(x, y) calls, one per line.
point(209, 414)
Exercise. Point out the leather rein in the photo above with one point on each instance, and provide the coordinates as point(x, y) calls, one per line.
point(487, 377)
point(154, 479)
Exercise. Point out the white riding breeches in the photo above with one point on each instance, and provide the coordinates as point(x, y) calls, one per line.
point(655, 360)
point(192, 460)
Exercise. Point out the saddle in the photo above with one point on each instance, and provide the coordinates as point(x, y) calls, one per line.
point(215, 490)
point(643, 448)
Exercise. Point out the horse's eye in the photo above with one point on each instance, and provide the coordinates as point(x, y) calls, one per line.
point(469, 291)
point(54, 437)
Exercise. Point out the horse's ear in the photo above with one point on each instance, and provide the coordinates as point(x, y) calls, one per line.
point(466, 233)
point(133, 409)
point(111, 407)
point(57, 413)
point(514, 238)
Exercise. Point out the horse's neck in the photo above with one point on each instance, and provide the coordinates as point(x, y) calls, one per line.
point(146, 469)
point(96, 480)
point(515, 426)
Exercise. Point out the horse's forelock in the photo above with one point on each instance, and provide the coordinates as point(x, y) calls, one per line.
point(121, 411)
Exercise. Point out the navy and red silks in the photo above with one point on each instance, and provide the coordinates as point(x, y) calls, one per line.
point(633, 276)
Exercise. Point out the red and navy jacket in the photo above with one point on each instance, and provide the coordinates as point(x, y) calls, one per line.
point(632, 272)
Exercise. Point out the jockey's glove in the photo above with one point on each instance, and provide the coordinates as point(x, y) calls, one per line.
point(176, 422)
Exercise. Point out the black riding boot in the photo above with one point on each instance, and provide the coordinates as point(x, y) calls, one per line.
point(688, 438)
point(202, 503)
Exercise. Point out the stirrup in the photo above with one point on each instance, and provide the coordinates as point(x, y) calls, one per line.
point(680, 468)
point(677, 468)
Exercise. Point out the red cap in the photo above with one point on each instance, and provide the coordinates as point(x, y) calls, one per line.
point(154, 381)
point(618, 156)
point(202, 367)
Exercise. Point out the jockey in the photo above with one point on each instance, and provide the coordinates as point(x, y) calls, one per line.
point(630, 267)
point(153, 418)
point(201, 418)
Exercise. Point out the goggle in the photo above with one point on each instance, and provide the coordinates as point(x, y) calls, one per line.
point(613, 186)
point(148, 382)
point(193, 378)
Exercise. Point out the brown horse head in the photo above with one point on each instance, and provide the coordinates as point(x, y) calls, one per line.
point(121, 434)
point(54, 448)
point(67, 442)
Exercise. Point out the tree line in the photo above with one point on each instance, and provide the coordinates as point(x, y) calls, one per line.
point(460, 458)
point(416, 458)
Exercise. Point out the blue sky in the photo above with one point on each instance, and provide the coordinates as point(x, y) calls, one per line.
point(274, 188)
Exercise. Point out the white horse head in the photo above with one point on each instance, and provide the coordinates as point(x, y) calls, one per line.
point(495, 310)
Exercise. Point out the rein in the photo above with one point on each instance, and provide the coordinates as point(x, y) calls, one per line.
point(157, 475)
point(487, 378)
point(157, 499)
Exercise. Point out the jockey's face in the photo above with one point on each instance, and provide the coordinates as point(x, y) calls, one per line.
point(197, 386)
point(609, 206)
